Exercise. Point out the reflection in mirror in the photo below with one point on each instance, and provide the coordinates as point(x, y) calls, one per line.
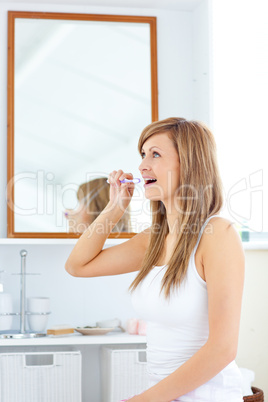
point(93, 197)
point(81, 89)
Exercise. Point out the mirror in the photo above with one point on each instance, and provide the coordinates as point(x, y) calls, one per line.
point(81, 88)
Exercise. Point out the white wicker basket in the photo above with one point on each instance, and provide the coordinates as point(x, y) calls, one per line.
point(124, 372)
point(40, 377)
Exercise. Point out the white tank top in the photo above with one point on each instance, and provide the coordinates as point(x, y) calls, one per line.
point(176, 328)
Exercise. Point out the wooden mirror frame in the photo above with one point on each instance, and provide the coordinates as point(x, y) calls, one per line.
point(12, 15)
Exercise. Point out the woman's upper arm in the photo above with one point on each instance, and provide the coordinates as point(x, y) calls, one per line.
point(224, 265)
point(120, 259)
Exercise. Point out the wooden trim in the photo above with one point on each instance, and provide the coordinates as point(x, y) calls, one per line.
point(12, 15)
point(154, 90)
point(57, 235)
point(10, 126)
point(81, 17)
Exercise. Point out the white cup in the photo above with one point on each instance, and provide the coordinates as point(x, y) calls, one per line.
point(38, 309)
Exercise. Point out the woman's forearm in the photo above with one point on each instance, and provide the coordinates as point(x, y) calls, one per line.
point(91, 242)
point(200, 368)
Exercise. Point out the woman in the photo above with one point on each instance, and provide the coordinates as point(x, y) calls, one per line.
point(93, 196)
point(190, 265)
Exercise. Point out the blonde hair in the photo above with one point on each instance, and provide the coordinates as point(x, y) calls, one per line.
point(200, 196)
point(95, 195)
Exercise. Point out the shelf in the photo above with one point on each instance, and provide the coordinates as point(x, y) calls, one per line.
point(75, 339)
point(251, 245)
point(51, 242)
point(255, 245)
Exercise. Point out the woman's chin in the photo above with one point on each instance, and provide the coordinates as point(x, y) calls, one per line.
point(153, 197)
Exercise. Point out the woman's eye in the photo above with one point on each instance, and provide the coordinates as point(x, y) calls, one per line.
point(154, 153)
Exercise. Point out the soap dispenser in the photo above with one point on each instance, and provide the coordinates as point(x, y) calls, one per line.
point(5, 307)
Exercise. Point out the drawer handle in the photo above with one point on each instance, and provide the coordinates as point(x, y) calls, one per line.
point(42, 360)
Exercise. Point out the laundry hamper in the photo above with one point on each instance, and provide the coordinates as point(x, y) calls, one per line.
point(256, 397)
point(124, 372)
point(40, 377)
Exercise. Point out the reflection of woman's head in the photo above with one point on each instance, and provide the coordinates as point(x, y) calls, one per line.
point(93, 196)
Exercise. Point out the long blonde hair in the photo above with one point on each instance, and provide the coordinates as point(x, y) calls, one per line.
point(200, 195)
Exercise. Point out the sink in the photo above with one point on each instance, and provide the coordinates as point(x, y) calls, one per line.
point(17, 335)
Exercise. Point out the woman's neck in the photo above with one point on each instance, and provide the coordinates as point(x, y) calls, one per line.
point(173, 216)
point(173, 224)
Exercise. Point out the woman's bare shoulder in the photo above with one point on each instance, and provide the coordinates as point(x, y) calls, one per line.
point(219, 225)
point(142, 238)
point(220, 232)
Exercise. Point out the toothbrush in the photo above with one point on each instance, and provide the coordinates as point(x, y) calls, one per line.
point(135, 180)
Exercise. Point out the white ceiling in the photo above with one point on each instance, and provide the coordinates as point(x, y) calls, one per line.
point(186, 5)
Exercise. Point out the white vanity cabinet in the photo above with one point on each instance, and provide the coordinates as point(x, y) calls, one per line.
point(90, 348)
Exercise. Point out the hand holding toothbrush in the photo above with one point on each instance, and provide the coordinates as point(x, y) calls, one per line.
point(121, 188)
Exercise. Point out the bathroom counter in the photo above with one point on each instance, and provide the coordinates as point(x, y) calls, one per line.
point(76, 339)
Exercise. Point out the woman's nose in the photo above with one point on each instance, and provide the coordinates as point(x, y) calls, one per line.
point(144, 166)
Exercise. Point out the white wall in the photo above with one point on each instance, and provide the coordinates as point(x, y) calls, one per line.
point(253, 340)
point(240, 84)
point(202, 78)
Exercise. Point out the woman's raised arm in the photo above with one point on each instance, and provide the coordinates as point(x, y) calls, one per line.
point(88, 259)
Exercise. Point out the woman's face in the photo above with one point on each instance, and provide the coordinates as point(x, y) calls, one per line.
point(160, 161)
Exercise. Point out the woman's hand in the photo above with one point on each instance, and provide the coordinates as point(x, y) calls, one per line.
point(120, 193)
